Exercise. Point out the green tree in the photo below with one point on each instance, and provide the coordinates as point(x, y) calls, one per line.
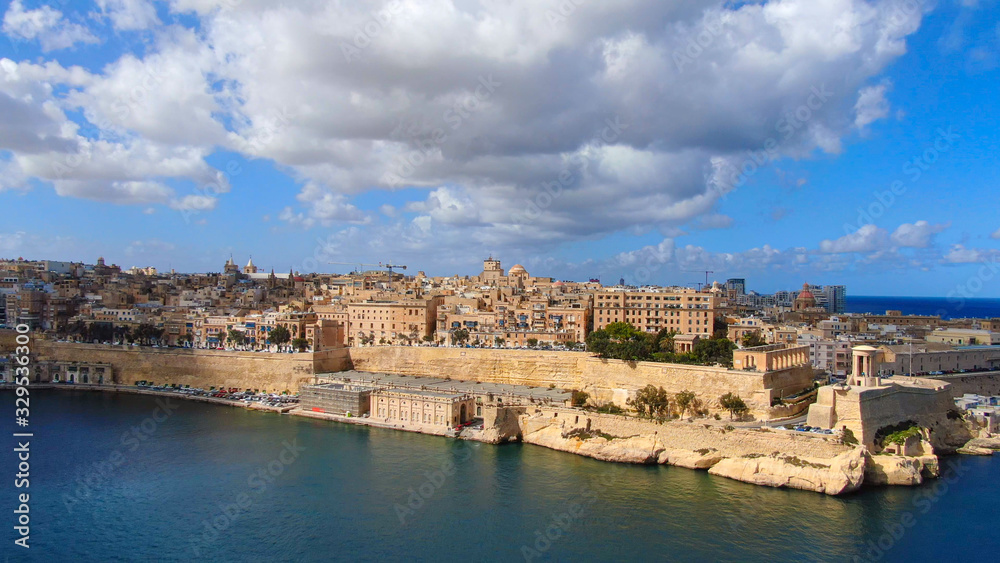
point(752, 339)
point(621, 341)
point(720, 329)
point(734, 404)
point(599, 342)
point(579, 398)
point(651, 402)
point(460, 336)
point(684, 400)
point(714, 351)
point(300, 344)
point(237, 337)
point(498, 342)
point(532, 342)
point(279, 336)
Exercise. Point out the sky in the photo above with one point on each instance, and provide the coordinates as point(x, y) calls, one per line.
point(824, 141)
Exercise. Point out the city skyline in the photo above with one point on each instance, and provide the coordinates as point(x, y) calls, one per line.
point(581, 146)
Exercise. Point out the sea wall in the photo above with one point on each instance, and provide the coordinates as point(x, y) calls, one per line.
point(605, 380)
point(199, 368)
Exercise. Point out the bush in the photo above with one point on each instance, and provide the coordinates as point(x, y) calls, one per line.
point(580, 398)
point(901, 436)
point(610, 408)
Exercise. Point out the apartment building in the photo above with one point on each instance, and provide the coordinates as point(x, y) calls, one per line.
point(408, 319)
point(685, 311)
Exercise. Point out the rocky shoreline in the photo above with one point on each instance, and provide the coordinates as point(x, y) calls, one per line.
point(759, 457)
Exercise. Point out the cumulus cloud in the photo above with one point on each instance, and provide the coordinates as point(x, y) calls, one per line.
point(45, 24)
point(129, 15)
point(194, 203)
point(959, 254)
point(917, 235)
point(541, 132)
point(519, 132)
point(871, 106)
point(868, 238)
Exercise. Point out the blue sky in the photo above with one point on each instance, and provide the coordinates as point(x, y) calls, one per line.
point(174, 134)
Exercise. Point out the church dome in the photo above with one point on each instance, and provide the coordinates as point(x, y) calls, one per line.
point(517, 269)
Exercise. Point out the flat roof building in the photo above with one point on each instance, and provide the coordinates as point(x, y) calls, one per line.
point(336, 398)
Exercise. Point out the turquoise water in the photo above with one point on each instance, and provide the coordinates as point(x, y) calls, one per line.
point(211, 483)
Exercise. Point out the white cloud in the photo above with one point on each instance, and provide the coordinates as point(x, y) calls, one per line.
point(194, 203)
point(866, 239)
point(917, 235)
point(45, 24)
point(959, 254)
point(995, 235)
point(871, 106)
point(129, 15)
point(522, 133)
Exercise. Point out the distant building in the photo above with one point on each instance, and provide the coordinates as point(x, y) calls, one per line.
point(737, 285)
point(964, 337)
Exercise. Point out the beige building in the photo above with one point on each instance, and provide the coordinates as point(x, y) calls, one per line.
point(683, 310)
point(964, 337)
point(926, 358)
point(419, 407)
point(391, 321)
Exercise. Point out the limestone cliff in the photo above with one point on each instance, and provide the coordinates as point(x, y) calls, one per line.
point(840, 475)
point(740, 454)
point(898, 470)
point(633, 449)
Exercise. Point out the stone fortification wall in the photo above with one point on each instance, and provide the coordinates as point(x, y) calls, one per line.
point(199, 368)
point(605, 380)
point(866, 411)
point(986, 383)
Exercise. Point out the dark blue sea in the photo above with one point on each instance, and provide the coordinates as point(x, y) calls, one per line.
point(947, 307)
point(119, 478)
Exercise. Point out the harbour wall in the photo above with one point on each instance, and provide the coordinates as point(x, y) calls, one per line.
point(604, 380)
point(270, 372)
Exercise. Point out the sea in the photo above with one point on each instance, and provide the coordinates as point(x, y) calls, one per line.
point(118, 477)
point(953, 307)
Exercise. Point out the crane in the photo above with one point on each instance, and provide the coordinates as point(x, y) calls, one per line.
point(700, 271)
point(387, 266)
